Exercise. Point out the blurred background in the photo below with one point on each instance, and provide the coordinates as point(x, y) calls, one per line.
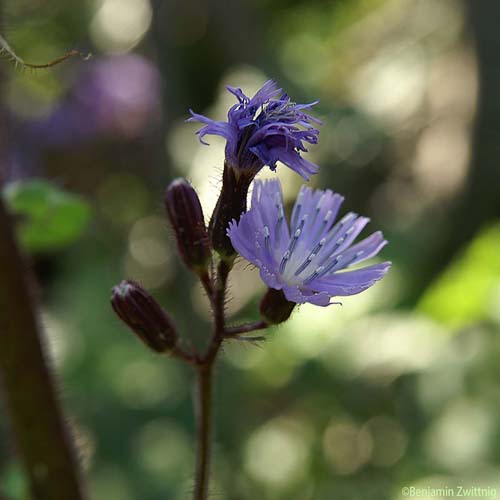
point(401, 385)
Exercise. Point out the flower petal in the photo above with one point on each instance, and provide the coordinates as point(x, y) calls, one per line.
point(351, 282)
point(294, 294)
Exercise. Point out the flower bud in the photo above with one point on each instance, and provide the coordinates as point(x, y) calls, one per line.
point(231, 204)
point(144, 316)
point(186, 216)
point(275, 308)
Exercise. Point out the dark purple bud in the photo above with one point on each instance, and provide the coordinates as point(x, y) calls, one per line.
point(275, 308)
point(186, 216)
point(144, 316)
point(231, 204)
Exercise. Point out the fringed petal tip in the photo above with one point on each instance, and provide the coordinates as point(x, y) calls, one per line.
point(265, 129)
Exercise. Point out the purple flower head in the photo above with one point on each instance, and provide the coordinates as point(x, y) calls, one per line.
point(308, 261)
point(263, 130)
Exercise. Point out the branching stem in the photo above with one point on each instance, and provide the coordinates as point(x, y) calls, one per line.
point(205, 382)
point(204, 365)
point(235, 331)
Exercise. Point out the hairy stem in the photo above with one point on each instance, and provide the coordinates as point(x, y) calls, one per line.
point(40, 433)
point(204, 390)
point(218, 305)
point(204, 432)
point(234, 331)
point(12, 56)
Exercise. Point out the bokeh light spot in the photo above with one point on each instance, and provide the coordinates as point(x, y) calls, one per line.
point(149, 252)
point(147, 382)
point(461, 436)
point(119, 25)
point(389, 441)
point(391, 86)
point(164, 450)
point(278, 453)
point(109, 482)
point(346, 447)
point(122, 198)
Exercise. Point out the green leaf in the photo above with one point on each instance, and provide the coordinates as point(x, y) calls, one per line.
point(465, 292)
point(49, 218)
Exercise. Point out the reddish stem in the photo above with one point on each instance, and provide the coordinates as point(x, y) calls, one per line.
point(234, 331)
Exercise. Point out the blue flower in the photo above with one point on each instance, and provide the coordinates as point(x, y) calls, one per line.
point(308, 260)
point(263, 130)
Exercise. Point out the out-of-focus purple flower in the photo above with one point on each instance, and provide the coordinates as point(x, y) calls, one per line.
point(308, 260)
point(123, 94)
point(263, 130)
point(113, 97)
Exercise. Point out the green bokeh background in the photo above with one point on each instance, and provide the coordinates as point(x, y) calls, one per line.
point(400, 387)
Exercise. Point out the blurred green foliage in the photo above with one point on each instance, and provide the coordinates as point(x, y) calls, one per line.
point(48, 217)
point(468, 291)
